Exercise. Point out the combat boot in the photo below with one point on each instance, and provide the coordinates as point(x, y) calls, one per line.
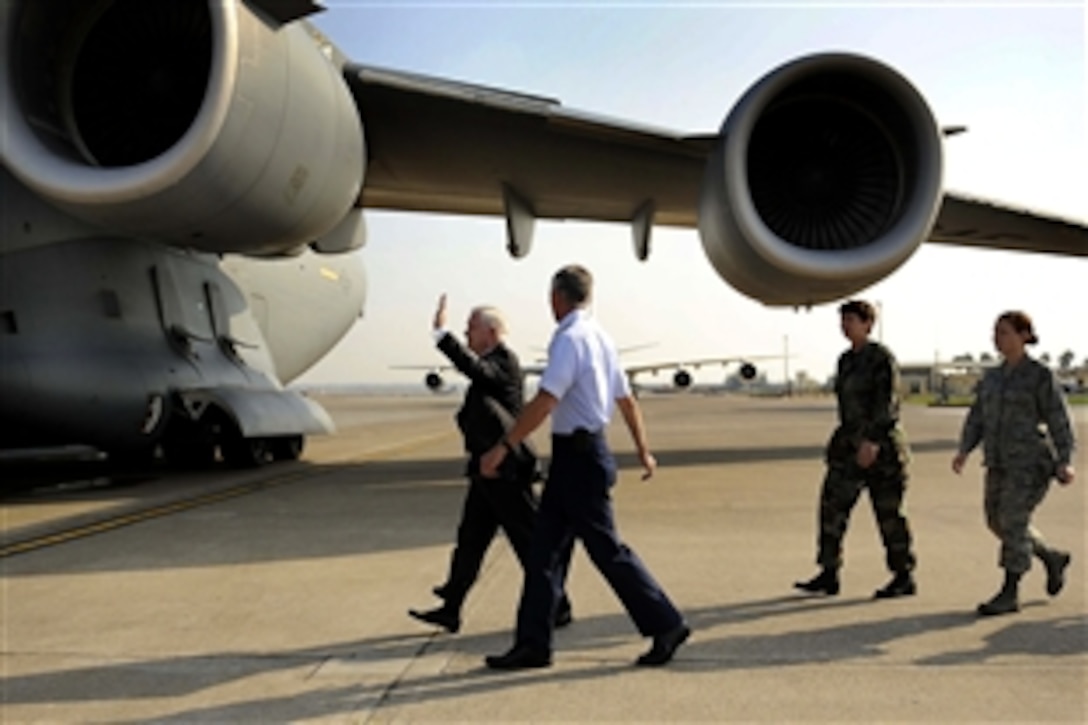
point(827, 581)
point(1055, 562)
point(901, 585)
point(1005, 601)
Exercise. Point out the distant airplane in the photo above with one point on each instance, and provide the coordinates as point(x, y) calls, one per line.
point(184, 184)
point(434, 375)
point(433, 378)
point(682, 377)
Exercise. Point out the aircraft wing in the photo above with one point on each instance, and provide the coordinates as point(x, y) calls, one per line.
point(825, 176)
point(678, 364)
point(445, 146)
point(694, 364)
point(974, 222)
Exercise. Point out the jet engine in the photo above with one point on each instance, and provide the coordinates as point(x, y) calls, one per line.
point(826, 177)
point(201, 123)
point(681, 379)
point(433, 381)
point(748, 371)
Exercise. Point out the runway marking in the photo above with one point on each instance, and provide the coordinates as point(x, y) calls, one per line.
point(115, 522)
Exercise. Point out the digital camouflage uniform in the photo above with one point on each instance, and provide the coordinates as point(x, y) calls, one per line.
point(1021, 419)
point(866, 384)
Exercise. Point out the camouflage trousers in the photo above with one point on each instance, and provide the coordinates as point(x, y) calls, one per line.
point(841, 489)
point(1011, 495)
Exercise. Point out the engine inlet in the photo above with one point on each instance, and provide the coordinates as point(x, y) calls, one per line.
point(824, 174)
point(138, 79)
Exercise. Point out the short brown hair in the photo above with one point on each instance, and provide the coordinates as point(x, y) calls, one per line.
point(865, 311)
point(1020, 322)
point(574, 283)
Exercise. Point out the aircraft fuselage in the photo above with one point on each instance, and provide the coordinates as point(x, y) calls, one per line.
point(108, 340)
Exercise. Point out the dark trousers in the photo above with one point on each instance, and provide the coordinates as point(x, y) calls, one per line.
point(842, 487)
point(576, 503)
point(491, 504)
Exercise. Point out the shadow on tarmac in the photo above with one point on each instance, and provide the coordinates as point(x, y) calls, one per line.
point(185, 676)
point(88, 480)
point(397, 504)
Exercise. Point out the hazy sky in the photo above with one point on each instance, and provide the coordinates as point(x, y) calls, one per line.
point(1013, 73)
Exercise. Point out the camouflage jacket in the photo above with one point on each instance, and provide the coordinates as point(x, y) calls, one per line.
point(1020, 417)
point(866, 385)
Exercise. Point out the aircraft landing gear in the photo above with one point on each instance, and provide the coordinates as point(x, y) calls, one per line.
point(191, 444)
point(239, 452)
point(287, 448)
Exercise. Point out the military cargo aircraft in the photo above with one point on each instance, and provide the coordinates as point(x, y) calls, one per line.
point(184, 182)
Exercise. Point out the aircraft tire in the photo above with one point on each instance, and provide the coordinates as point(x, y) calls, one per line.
point(190, 450)
point(240, 452)
point(287, 448)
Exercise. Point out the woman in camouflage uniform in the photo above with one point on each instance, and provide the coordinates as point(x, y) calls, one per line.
point(867, 450)
point(1013, 403)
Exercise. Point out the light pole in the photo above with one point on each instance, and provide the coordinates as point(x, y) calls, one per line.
point(786, 364)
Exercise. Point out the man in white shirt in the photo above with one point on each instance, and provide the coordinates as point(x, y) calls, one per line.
point(579, 388)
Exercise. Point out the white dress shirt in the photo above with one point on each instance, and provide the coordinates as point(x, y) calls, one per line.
point(584, 374)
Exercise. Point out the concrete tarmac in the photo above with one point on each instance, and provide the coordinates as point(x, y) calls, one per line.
point(281, 594)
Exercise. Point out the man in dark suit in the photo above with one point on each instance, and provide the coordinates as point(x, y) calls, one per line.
point(494, 396)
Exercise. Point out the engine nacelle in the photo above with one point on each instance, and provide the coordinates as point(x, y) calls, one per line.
point(433, 381)
point(827, 176)
point(681, 379)
point(748, 371)
point(195, 122)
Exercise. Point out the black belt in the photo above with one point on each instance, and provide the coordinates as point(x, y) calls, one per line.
point(581, 439)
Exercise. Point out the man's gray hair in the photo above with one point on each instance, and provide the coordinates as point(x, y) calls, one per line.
point(574, 283)
point(492, 317)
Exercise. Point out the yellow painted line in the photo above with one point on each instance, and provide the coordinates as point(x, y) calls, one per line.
point(136, 517)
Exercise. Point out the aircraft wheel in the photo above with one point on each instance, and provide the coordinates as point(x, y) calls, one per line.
point(288, 448)
point(191, 446)
point(242, 452)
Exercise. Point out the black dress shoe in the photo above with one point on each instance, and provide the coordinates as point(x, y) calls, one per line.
point(665, 646)
point(521, 657)
point(563, 614)
point(827, 581)
point(445, 618)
